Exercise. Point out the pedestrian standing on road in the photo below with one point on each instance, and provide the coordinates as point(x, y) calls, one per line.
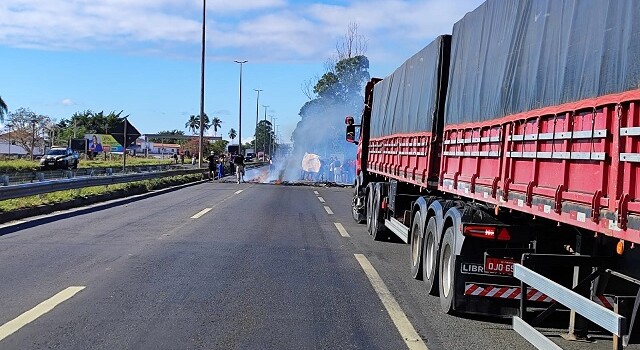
point(337, 170)
point(212, 164)
point(182, 158)
point(238, 161)
point(330, 178)
point(220, 169)
point(175, 157)
point(193, 159)
point(231, 166)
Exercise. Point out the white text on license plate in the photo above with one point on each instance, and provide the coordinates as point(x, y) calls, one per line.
point(499, 265)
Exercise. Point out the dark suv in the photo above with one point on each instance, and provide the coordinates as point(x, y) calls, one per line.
point(60, 158)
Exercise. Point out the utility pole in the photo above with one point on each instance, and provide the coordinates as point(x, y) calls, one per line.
point(255, 133)
point(124, 151)
point(200, 144)
point(33, 136)
point(240, 109)
point(264, 140)
point(272, 135)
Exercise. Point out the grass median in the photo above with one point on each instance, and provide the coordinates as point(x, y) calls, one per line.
point(122, 190)
point(20, 165)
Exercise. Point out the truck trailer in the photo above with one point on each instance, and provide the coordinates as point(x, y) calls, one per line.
point(512, 143)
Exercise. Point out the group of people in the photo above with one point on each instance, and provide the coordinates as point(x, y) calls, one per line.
point(216, 166)
point(332, 170)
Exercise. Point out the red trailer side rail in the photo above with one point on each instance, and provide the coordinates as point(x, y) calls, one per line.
point(405, 157)
point(576, 163)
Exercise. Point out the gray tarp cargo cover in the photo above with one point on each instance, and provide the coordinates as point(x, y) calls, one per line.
point(515, 56)
point(407, 100)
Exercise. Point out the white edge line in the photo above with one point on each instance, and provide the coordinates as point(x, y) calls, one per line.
point(341, 229)
point(328, 210)
point(14, 325)
point(201, 212)
point(321, 200)
point(411, 338)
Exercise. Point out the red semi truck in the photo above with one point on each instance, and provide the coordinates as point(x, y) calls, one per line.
point(514, 140)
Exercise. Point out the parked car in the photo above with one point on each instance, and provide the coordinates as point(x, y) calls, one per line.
point(60, 158)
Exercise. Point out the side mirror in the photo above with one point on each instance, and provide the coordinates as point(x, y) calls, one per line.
point(349, 120)
point(351, 134)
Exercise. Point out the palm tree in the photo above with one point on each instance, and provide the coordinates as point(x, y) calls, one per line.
point(232, 134)
point(3, 109)
point(216, 123)
point(206, 124)
point(193, 124)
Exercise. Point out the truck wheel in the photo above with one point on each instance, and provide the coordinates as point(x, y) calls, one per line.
point(416, 246)
point(430, 257)
point(368, 205)
point(377, 229)
point(447, 272)
point(358, 215)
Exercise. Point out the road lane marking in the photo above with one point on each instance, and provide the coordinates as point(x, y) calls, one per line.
point(407, 332)
point(341, 229)
point(201, 212)
point(321, 199)
point(238, 191)
point(12, 223)
point(328, 210)
point(12, 326)
point(316, 193)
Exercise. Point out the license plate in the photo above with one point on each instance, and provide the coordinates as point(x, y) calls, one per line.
point(500, 266)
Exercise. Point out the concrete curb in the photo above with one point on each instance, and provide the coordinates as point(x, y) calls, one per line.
point(83, 205)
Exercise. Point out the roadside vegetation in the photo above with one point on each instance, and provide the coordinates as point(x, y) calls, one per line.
point(70, 195)
point(18, 165)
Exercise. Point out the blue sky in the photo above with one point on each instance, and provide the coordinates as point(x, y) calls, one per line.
point(58, 57)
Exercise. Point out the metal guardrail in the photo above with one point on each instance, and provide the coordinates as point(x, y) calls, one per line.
point(599, 315)
point(108, 178)
point(19, 177)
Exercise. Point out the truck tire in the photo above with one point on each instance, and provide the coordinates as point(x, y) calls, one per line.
point(358, 215)
point(447, 273)
point(415, 253)
point(430, 257)
point(368, 205)
point(377, 229)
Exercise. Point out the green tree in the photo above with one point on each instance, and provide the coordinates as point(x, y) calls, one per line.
point(264, 136)
point(216, 123)
point(168, 139)
point(232, 134)
point(87, 122)
point(193, 124)
point(218, 146)
point(337, 93)
point(3, 109)
point(206, 123)
point(28, 128)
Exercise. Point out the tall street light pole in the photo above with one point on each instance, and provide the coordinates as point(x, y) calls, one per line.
point(264, 139)
point(200, 143)
point(9, 126)
point(255, 133)
point(273, 125)
point(240, 109)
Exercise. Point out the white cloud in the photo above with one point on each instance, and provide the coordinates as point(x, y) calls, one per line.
point(68, 102)
point(259, 30)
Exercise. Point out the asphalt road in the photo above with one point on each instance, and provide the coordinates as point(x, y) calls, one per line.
point(221, 266)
